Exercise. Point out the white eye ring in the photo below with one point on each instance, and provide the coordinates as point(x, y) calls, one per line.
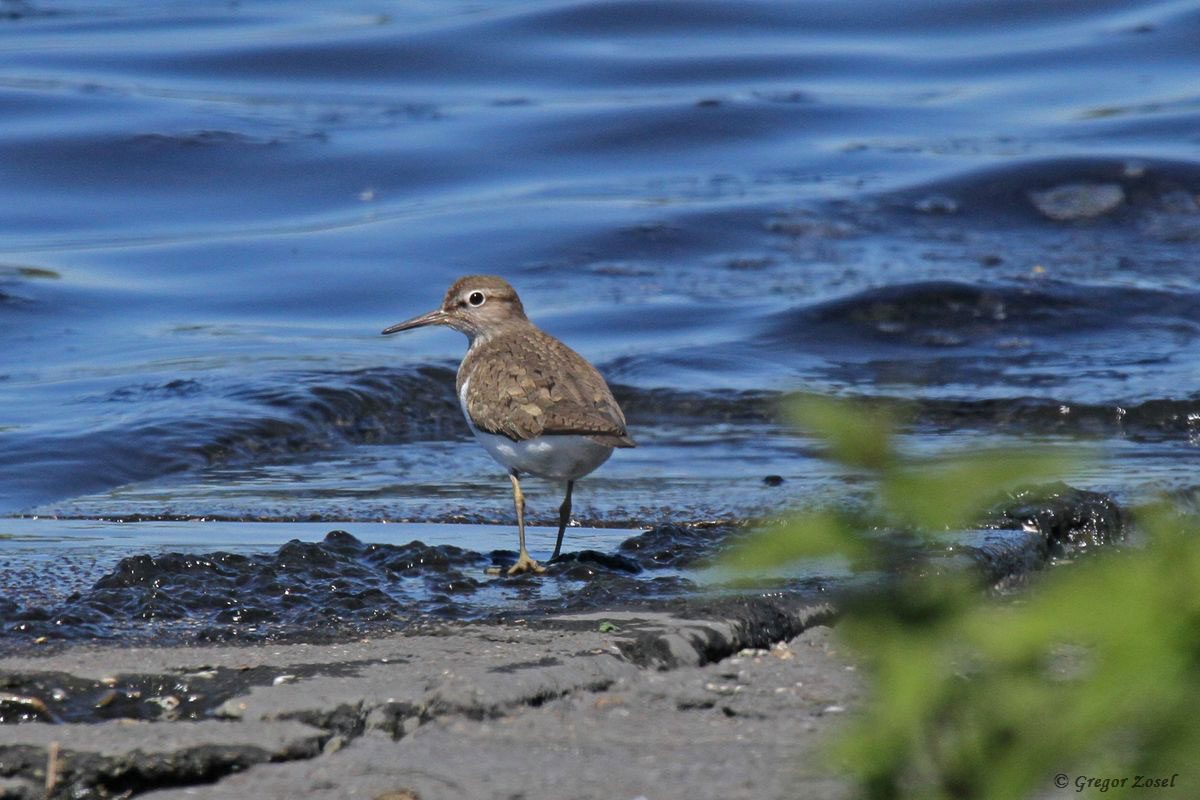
point(476, 299)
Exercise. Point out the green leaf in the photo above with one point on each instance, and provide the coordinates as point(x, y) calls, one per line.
point(952, 492)
point(858, 434)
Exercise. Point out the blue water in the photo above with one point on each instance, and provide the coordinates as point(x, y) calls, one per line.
point(209, 211)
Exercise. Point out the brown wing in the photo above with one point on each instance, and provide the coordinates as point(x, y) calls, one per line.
point(526, 383)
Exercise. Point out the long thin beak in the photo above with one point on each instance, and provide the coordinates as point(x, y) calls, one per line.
point(437, 317)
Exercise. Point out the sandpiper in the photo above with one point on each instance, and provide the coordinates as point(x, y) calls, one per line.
point(538, 407)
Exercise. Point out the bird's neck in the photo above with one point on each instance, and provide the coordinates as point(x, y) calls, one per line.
point(509, 327)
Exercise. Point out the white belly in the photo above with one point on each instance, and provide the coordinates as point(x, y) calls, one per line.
point(559, 457)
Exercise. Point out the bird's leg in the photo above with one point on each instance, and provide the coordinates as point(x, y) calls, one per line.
point(564, 519)
point(524, 562)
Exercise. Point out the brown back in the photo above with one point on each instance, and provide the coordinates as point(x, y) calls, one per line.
point(524, 383)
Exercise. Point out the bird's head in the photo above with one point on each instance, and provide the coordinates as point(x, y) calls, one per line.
point(477, 305)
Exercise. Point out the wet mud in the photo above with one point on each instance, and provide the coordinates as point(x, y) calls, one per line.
point(341, 587)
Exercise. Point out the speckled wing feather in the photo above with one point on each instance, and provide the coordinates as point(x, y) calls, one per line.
point(525, 383)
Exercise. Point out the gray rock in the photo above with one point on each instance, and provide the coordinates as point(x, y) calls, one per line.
point(1074, 201)
point(650, 734)
point(103, 759)
point(657, 707)
point(17, 789)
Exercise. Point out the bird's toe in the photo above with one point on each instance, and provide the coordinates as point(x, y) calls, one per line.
point(526, 564)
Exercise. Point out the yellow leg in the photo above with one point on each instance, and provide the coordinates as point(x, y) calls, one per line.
point(524, 562)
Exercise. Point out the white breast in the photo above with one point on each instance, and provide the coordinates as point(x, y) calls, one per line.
point(559, 457)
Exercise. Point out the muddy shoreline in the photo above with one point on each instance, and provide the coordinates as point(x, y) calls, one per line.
point(343, 587)
point(703, 694)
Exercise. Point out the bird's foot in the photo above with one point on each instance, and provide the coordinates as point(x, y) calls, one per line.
point(526, 564)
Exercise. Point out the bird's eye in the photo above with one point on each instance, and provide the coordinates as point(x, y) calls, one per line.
point(476, 299)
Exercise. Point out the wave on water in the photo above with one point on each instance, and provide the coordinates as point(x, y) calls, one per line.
point(298, 414)
point(315, 410)
point(1142, 192)
point(1087, 344)
point(181, 425)
point(945, 314)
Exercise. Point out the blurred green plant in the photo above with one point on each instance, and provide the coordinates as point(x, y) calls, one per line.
point(1093, 674)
